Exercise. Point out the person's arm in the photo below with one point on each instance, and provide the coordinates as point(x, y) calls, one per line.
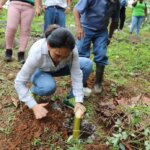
point(77, 82)
point(145, 11)
point(68, 8)
point(77, 77)
point(112, 28)
point(114, 22)
point(79, 33)
point(2, 2)
point(38, 7)
point(134, 3)
point(23, 77)
point(80, 8)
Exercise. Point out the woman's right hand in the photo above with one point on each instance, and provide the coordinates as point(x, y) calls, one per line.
point(40, 111)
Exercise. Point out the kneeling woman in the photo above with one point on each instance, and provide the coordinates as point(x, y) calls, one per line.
point(54, 55)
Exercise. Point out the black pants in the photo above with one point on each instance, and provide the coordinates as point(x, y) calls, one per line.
point(122, 17)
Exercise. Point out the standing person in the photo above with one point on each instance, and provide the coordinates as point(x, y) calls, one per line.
point(53, 56)
point(91, 19)
point(138, 15)
point(55, 12)
point(20, 12)
point(123, 4)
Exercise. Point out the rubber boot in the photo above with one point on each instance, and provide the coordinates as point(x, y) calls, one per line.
point(21, 57)
point(99, 78)
point(8, 55)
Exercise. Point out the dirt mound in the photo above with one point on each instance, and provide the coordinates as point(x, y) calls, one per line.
point(27, 132)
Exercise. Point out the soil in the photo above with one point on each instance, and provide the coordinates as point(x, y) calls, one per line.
point(96, 147)
point(28, 133)
point(26, 129)
point(19, 130)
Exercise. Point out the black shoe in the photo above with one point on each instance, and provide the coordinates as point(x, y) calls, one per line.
point(99, 78)
point(8, 55)
point(21, 57)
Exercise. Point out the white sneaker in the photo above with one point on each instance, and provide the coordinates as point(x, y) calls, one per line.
point(87, 91)
point(97, 88)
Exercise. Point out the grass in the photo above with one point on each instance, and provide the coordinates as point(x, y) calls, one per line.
point(128, 67)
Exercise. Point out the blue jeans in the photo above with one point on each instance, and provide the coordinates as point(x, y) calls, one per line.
point(54, 16)
point(99, 40)
point(136, 22)
point(44, 83)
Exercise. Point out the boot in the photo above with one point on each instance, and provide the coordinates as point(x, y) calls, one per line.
point(21, 57)
point(8, 55)
point(99, 78)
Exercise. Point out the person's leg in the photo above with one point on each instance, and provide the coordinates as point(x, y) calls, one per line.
point(13, 19)
point(25, 25)
point(139, 23)
point(100, 58)
point(86, 67)
point(61, 17)
point(43, 83)
point(122, 17)
point(83, 45)
point(49, 17)
point(133, 24)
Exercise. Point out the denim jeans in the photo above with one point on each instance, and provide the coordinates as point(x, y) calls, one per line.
point(54, 16)
point(44, 83)
point(99, 40)
point(136, 22)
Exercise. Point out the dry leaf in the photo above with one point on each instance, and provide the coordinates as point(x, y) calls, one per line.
point(15, 101)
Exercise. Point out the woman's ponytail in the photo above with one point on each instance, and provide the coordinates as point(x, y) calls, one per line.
point(50, 29)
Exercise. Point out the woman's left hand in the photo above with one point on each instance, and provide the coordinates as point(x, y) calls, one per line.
point(67, 10)
point(81, 107)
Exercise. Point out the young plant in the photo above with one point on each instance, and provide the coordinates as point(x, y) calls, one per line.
point(117, 138)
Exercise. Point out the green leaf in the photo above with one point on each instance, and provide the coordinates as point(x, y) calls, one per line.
point(124, 135)
point(121, 146)
point(115, 142)
point(147, 131)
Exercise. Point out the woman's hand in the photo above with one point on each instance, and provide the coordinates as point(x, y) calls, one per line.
point(67, 10)
point(37, 11)
point(79, 106)
point(40, 111)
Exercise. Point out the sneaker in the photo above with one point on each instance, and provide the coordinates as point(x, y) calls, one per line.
point(69, 102)
point(8, 55)
point(21, 57)
point(87, 92)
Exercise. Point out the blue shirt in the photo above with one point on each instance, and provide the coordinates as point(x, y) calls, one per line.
point(95, 14)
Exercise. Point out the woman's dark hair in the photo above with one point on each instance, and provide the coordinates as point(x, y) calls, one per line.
point(59, 37)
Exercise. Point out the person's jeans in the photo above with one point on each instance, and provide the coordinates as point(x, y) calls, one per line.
point(136, 22)
point(44, 83)
point(99, 40)
point(54, 16)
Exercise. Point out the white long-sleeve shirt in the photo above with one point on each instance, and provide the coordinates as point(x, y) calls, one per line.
point(39, 58)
